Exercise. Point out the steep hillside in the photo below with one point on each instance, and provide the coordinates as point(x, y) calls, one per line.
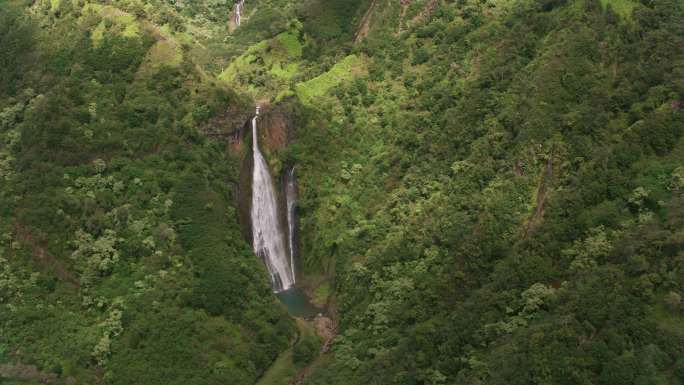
point(121, 258)
point(499, 200)
point(490, 191)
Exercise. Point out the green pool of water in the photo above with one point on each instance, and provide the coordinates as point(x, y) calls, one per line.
point(297, 303)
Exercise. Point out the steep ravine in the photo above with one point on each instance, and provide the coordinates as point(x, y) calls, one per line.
point(272, 130)
point(268, 232)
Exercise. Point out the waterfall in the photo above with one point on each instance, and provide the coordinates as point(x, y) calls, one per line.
point(291, 200)
point(238, 11)
point(266, 230)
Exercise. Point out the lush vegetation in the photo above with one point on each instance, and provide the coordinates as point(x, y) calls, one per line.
point(122, 261)
point(500, 200)
point(491, 191)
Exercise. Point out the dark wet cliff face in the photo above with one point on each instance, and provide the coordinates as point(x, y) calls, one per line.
point(278, 124)
point(228, 126)
point(244, 195)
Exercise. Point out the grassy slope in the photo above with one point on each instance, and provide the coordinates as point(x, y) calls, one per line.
point(283, 369)
point(344, 70)
point(622, 7)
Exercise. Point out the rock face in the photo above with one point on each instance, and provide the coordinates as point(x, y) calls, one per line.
point(231, 125)
point(26, 373)
point(244, 195)
point(275, 132)
point(278, 124)
point(326, 328)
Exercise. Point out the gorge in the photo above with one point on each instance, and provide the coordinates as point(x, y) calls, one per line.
point(267, 231)
point(482, 192)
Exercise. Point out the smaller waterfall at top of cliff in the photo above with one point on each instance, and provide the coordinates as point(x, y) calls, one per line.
point(291, 201)
point(238, 11)
point(267, 235)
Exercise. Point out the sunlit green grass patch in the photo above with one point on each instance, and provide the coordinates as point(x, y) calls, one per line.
point(165, 53)
point(321, 294)
point(98, 34)
point(621, 7)
point(123, 23)
point(54, 4)
point(286, 71)
point(243, 62)
point(344, 70)
point(291, 43)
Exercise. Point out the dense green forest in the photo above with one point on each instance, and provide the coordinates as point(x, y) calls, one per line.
point(490, 191)
point(122, 261)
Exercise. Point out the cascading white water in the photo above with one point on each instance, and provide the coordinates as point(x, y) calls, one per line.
point(266, 230)
point(238, 12)
point(291, 200)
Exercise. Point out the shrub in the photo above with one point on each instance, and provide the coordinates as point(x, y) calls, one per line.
point(305, 350)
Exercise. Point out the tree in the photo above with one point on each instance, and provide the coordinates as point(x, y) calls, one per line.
point(16, 47)
point(673, 300)
point(305, 350)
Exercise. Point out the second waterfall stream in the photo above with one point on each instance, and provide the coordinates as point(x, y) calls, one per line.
point(238, 12)
point(267, 234)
